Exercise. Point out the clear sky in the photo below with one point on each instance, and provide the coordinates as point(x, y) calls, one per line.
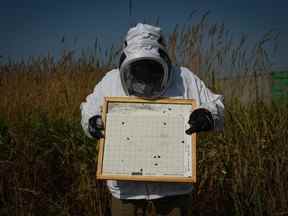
point(35, 27)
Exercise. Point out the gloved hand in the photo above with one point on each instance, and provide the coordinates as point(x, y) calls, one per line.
point(200, 120)
point(96, 127)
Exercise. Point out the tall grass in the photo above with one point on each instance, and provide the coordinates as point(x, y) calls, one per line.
point(47, 165)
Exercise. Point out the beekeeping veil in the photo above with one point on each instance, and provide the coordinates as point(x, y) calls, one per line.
point(144, 63)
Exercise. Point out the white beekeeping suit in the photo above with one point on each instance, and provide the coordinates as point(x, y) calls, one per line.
point(144, 44)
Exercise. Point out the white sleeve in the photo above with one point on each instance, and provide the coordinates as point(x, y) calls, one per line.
point(92, 105)
point(212, 102)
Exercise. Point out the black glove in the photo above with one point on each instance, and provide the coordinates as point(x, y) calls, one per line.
point(200, 120)
point(96, 127)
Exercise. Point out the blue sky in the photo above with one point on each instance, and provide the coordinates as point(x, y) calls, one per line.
point(34, 27)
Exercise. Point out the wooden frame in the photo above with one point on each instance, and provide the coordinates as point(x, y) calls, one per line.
point(99, 173)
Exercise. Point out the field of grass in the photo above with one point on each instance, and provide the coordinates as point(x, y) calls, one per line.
point(47, 165)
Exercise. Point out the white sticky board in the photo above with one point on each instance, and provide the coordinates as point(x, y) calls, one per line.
point(147, 140)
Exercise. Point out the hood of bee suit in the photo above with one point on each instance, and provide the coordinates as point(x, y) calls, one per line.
point(145, 67)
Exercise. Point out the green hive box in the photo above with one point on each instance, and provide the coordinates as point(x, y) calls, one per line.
point(280, 87)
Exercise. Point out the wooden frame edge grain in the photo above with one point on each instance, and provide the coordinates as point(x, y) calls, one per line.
point(194, 150)
point(194, 158)
point(126, 99)
point(170, 179)
point(101, 141)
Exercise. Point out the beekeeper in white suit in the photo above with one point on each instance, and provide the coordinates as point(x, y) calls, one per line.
point(145, 70)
